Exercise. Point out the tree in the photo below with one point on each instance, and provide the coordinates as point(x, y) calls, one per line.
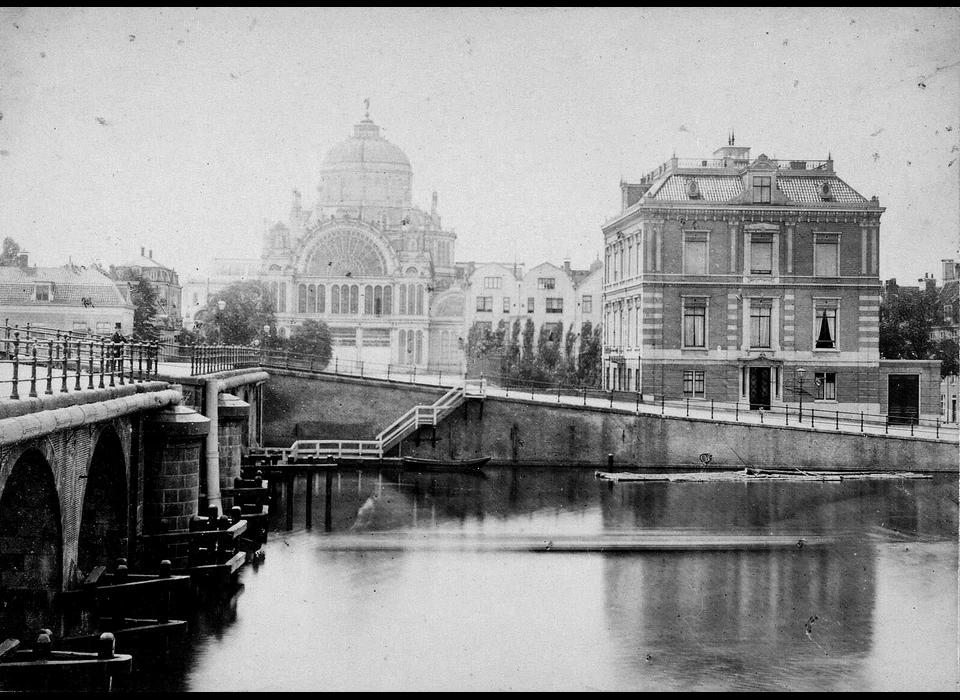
point(247, 308)
point(591, 352)
point(10, 254)
point(144, 300)
point(312, 338)
point(907, 317)
point(946, 350)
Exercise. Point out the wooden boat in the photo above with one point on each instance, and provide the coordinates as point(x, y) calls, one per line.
point(421, 464)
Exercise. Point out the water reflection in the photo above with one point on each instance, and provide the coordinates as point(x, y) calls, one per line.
point(876, 609)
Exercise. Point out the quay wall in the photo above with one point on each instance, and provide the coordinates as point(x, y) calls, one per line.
point(516, 432)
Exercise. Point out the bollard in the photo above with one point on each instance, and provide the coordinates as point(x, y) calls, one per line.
point(838, 419)
point(163, 608)
point(235, 514)
point(120, 575)
point(106, 646)
point(43, 646)
point(166, 568)
point(609, 461)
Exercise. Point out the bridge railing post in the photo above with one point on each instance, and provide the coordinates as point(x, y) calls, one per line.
point(938, 427)
point(911, 426)
point(63, 373)
point(15, 391)
point(103, 353)
point(838, 419)
point(49, 389)
point(90, 365)
point(33, 369)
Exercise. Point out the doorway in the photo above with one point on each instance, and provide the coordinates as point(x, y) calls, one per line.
point(903, 398)
point(759, 391)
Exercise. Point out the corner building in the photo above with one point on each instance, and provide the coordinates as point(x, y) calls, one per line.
point(724, 276)
point(378, 270)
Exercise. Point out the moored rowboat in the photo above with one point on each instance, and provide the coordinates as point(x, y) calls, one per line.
point(420, 464)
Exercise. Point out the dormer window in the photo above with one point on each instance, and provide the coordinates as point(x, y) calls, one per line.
point(762, 189)
point(43, 291)
point(693, 190)
point(826, 194)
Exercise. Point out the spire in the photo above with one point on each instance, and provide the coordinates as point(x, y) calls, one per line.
point(733, 138)
point(366, 104)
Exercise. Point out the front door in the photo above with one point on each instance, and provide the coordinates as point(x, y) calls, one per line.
point(903, 398)
point(759, 388)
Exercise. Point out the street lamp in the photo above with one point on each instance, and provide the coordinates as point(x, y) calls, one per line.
point(220, 305)
point(801, 372)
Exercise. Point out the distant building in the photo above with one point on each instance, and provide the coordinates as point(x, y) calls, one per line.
point(560, 299)
point(378, 270)
point(165, 284)
point(203, 283)
point(727, 275)
point(68, 298)
point(950, 330)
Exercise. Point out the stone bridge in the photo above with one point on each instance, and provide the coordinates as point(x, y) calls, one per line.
point(88, 475)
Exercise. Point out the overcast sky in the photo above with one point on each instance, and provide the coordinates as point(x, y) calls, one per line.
point(182, 130)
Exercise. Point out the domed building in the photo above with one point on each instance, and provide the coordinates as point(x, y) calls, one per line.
point(378, 270)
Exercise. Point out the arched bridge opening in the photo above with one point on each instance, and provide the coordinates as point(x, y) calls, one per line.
point(104, 519)
point(31, 550)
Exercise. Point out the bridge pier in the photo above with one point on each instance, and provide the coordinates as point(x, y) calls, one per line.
point(173, 441)
point(233, 415)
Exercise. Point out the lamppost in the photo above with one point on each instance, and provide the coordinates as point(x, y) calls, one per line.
point(221, 305)
point(800, 372)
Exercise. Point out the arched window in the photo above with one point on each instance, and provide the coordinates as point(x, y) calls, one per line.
point(321, 302)
point(388, 300)
point(354, 299)
point(419, 347)
point(412, 299)
point(283, 297)
point(403, 300)
point(378, 300)
point(368, 300)
point(402, 347)
point(420, 300)
point(302, 298)
point(335, 299)
point(312, 298)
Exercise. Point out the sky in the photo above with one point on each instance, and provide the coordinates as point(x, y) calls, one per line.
point(184, 130)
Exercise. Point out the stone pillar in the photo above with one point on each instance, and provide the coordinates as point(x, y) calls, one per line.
point(174, 439)
point(233, 416)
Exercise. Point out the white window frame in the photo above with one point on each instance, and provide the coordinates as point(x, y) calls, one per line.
point(46, 287)
point(556, 307)
point(692, 302)
point(587, 303)
point(506, 305)
point(697, 237)
point(492, 282)
point(820, 386)
point(819, 304)
point(761, 304)
point(826, 238)
point(484, 305)
point(693, 379)
point(546, 283)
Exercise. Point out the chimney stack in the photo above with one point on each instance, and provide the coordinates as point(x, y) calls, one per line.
point(143, 251)
point(566, 265)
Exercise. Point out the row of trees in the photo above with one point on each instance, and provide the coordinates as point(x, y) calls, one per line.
point(517, 352)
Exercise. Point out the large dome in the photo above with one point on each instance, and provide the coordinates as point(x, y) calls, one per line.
point(368, 149)
point(366, 173)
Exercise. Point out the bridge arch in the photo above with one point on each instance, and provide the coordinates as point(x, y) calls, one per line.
point(105, 514)
point(31, 545)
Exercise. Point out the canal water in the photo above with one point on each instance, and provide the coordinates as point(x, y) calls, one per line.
point(445, 601)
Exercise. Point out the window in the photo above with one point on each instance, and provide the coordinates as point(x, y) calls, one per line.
point(80, 327)
point(825, 326)
point(506, 305)
point(762, 187)
point(553, 331)
point(43, 292)
point(529, 305)
point(694, 323)
point(760, 323)
point(546, 282)
point(695, 253)
point(104, 327)
point(554, 305)
point(826, 383)
point(825, 255)
point(761, 255)
point(492, 282)
point(587, 304)
point(484, 303)
point(693, 383)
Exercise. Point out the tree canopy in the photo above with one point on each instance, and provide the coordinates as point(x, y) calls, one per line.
point(247, 308)
point(11, 251)
point(907, 319)
point(312, 338)
point(144, 300)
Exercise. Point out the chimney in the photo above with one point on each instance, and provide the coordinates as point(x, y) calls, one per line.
point(143, 251)
point(566, 265)
point(23, 259)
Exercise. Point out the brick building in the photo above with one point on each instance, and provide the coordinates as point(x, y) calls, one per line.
point(755, 281)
